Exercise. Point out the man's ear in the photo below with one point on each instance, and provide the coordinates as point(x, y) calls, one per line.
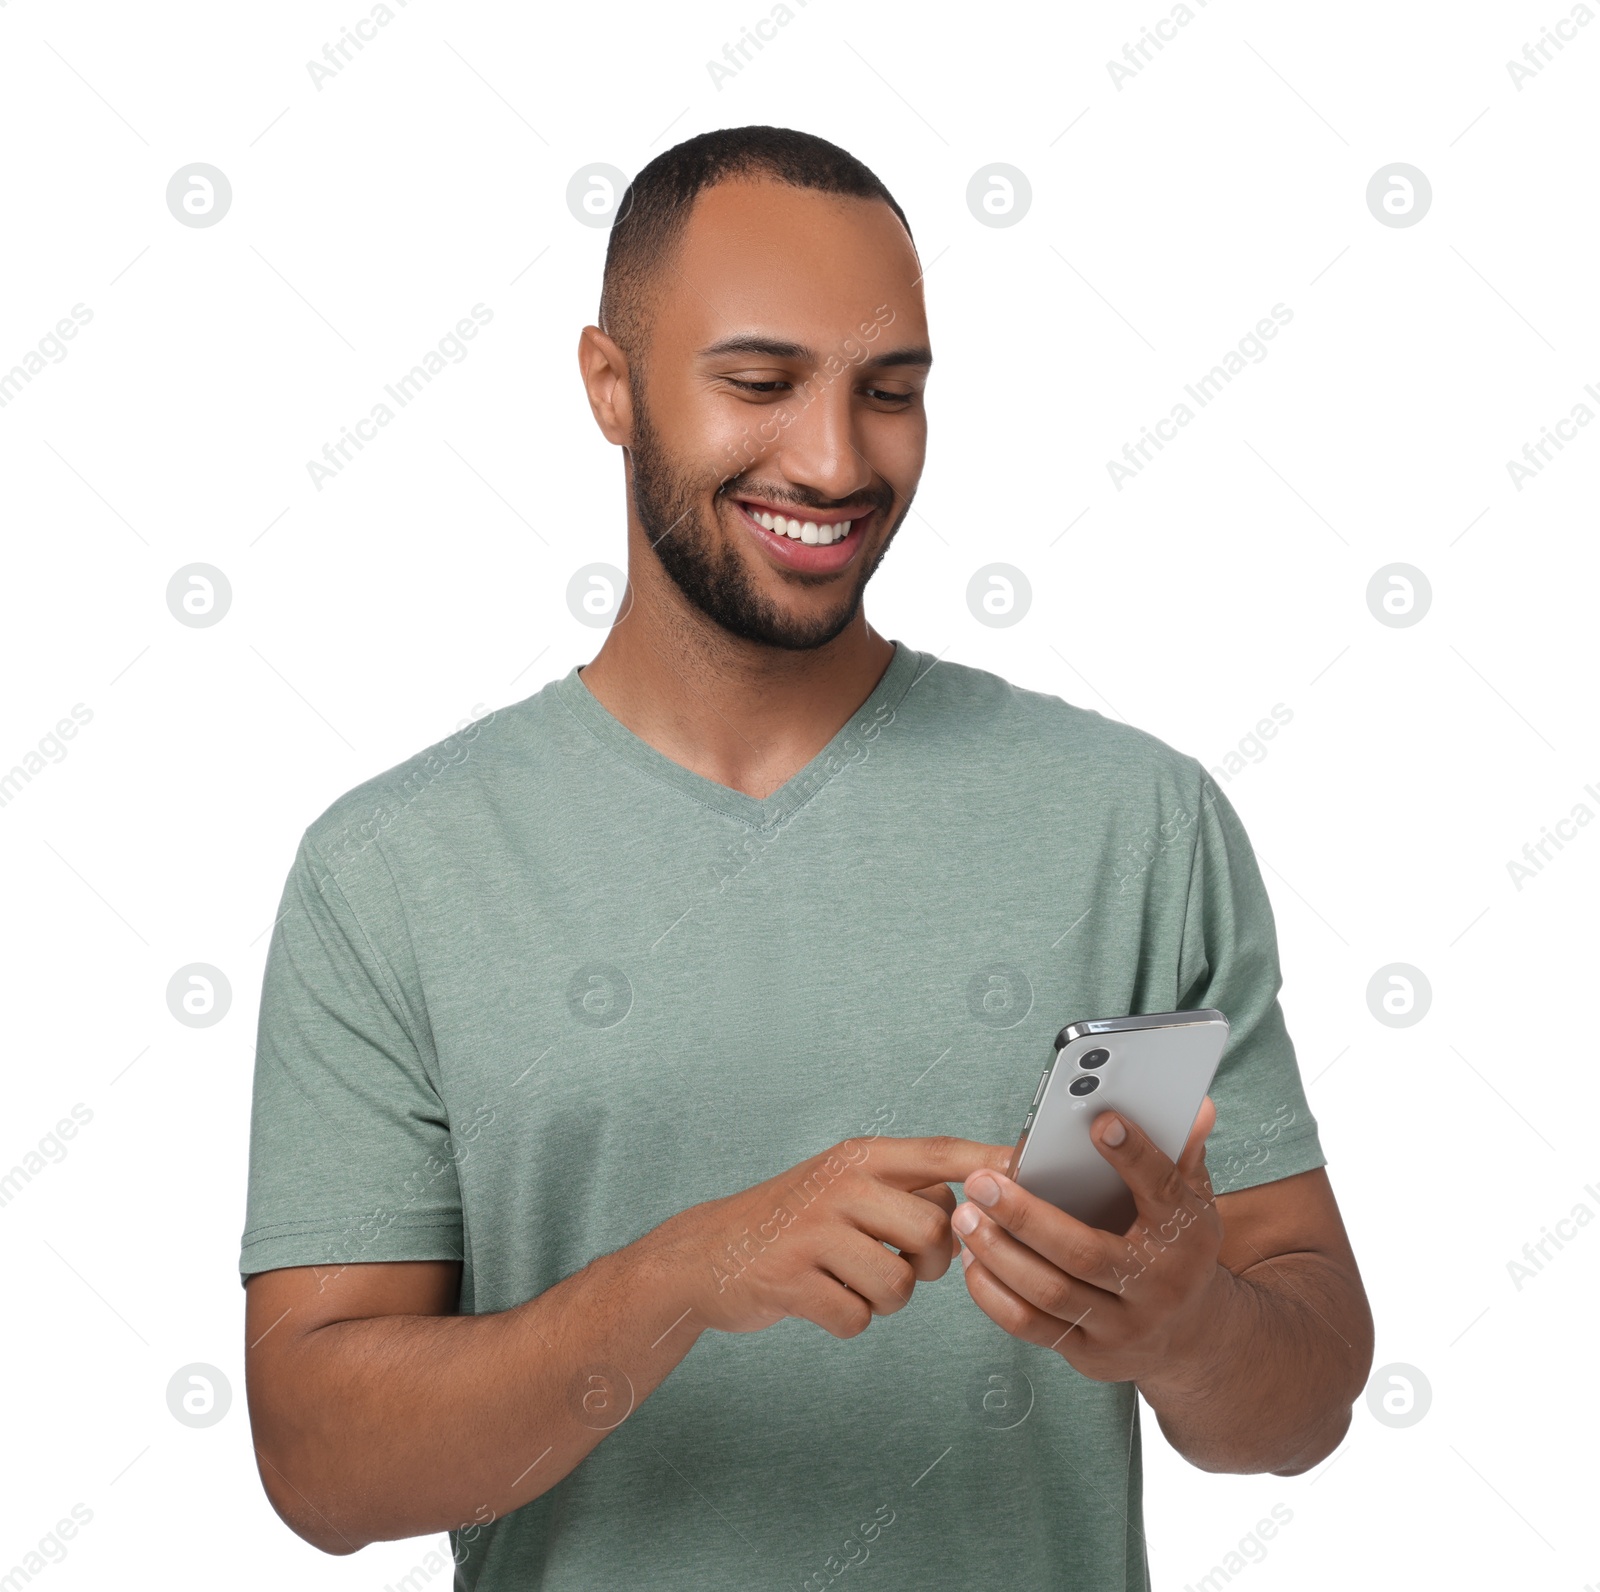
point(604, 368)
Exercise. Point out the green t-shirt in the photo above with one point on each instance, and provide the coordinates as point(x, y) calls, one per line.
point(539, 988)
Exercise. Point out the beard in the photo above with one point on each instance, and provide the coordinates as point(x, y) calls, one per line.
point(686, 537)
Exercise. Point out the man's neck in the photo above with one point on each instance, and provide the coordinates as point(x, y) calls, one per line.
point(736, 712)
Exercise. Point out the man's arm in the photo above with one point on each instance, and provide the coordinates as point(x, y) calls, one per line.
point(1241, 1317)
point(379, 1413)
point(1293, 1336)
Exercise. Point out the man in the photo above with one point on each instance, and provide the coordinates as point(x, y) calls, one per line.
point(616, 1055)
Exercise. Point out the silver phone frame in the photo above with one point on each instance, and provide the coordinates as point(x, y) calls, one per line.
point(1100, 1027)
point(1123, 1025)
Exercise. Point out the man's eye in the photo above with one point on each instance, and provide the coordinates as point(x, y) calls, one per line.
point(776, 384)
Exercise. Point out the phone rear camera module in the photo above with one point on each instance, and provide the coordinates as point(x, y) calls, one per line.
point(1093, 1058)
point(1083, 1086)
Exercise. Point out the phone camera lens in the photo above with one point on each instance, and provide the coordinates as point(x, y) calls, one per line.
point(1084, 1085)
point(1094, 1058)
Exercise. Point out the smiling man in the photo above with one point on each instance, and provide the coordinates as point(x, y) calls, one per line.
point(616, 1055)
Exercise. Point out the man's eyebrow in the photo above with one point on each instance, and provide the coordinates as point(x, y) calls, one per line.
point(777, 348)
point(772, 347)
point(903, 356)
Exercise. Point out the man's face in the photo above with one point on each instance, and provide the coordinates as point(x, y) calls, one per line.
point(781, 393)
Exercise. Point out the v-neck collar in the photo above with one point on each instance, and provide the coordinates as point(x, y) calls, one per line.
point(617, 738)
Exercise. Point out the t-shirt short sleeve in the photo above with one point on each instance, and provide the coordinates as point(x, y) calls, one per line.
point(350, 1151)
point(1229, 960)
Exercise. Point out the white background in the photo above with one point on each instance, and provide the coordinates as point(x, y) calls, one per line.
point(427, 582)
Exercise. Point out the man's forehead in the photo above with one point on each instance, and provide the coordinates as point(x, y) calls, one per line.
point(793, 264)
point(753, 202)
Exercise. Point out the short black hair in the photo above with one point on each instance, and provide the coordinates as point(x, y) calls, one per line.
point(655, 209)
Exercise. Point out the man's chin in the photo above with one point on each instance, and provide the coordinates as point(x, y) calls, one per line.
point(776, 624)
point(796, 610)
point(749, 595)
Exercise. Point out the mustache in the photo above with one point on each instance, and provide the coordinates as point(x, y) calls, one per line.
point(883, 498)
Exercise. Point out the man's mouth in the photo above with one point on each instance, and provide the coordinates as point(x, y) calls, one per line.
point(814, 528)
point(818, 542)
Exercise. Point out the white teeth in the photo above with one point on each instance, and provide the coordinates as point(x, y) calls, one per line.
point(808, 531)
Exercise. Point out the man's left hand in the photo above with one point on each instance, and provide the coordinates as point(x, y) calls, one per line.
point(1131, 1308)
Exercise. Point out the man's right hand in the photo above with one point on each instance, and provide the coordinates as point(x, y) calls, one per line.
point(347, 1363)
point(811, 1241)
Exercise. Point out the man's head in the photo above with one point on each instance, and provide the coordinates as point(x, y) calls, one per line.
point(761, 357)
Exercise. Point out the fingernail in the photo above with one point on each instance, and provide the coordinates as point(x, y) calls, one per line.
point(983, 1189)
point(965, 1219)
point(1115, 1133)
point(966, 1258)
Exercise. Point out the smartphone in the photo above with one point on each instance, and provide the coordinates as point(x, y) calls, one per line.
point(1154, 1069)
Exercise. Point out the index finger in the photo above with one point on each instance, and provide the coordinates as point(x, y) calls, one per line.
point(911, 1164)
point(1153, 1178)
